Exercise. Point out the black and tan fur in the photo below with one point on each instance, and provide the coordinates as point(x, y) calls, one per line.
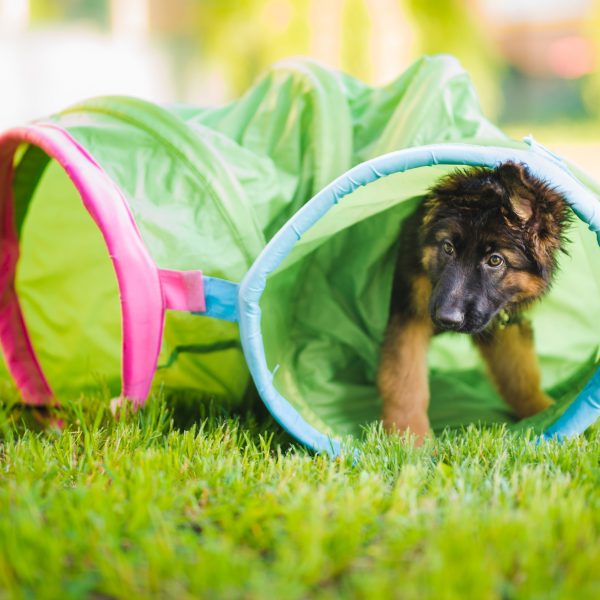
point(479, 250)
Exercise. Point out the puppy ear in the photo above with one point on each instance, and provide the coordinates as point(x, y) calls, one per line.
point(518, 183)
point(522, 205)
point(535, 201)
point(542, 210)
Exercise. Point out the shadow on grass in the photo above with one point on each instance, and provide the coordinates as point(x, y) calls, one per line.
point(164, 412)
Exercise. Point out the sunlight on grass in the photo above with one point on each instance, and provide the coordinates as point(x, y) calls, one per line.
point(219, 506)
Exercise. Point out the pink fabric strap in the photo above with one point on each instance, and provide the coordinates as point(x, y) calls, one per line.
point(19, 355)
point(142, 303)
point(183, 290)
point(145, 291)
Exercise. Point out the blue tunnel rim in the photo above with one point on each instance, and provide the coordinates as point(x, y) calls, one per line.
point(582, 412)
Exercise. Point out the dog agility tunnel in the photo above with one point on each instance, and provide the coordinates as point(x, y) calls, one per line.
point(148, 247)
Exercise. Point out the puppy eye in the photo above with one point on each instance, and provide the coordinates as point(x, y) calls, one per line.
point(448, 248)
point(495, 260)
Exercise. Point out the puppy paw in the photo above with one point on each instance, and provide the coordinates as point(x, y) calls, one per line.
point(400, 423)
point(534, 405)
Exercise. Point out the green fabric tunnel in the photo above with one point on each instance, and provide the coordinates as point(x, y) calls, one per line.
point(172, 191)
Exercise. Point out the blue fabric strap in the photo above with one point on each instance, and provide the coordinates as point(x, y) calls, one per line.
point(221, 299)
point(585, 409)
point(582, 413)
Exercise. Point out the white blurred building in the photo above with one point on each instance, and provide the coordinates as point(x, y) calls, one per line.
point(44, 69)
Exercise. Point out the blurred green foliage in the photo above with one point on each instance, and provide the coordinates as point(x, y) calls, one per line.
point(591, 87)
point(248, 36)
point(451, 26)
point(96, 11)
point(357, 31)
point(238, 39)
point(245, 37)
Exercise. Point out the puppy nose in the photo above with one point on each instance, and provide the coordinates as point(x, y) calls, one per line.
point(449, 317)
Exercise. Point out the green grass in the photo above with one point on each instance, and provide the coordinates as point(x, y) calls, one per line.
point(182, 501)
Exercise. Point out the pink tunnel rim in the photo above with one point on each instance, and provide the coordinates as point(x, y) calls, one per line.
point(141, 294)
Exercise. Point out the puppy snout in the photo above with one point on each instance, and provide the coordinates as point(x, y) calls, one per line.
point(449, 317)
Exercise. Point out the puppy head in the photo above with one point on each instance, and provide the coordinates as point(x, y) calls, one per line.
point(490, 239)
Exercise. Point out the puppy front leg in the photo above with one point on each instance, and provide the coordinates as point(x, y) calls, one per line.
point(512, 363)
point(402, 376)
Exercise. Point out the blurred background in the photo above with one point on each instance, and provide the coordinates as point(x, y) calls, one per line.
point(535, 63)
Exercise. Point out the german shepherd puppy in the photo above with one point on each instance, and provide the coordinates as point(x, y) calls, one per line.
point(479, 250)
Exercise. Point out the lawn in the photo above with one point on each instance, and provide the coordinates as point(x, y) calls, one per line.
point(184, 501)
